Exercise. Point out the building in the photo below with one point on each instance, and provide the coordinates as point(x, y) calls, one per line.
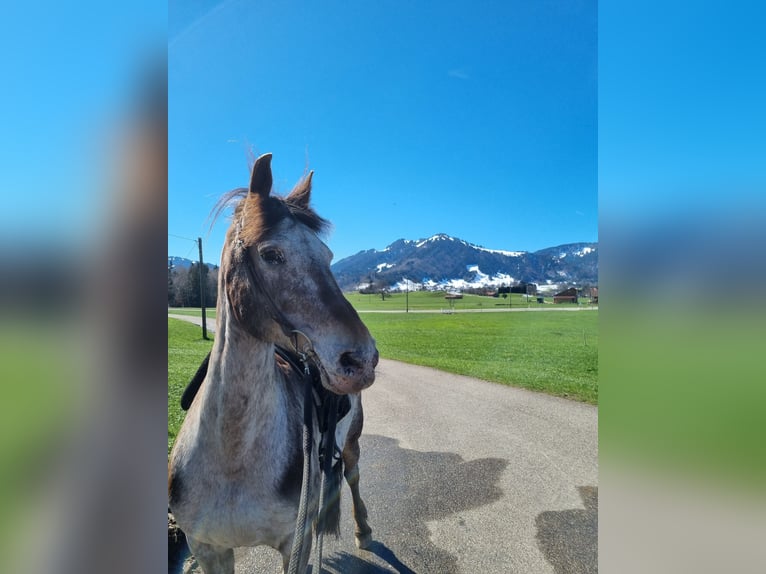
point(566, 296)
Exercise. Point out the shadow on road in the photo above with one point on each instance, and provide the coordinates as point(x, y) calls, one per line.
point(404, 489)
point(569, 538)
point(343, 562)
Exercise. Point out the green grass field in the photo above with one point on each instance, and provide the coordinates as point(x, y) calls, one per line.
point(423, 301)
point(556, 353)
point(186, 350)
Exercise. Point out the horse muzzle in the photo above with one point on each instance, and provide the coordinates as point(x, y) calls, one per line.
point(354, 371)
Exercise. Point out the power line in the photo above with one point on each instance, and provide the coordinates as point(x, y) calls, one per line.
point(186, 239)
point(180, 237)
point(190, 250)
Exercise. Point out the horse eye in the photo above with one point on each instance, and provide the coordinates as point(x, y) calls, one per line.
point(272, 256)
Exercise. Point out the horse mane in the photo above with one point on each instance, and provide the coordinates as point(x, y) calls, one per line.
point(264, 214)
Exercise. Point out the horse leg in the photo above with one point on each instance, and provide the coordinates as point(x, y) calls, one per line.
point(362, 530)
point(212, 559)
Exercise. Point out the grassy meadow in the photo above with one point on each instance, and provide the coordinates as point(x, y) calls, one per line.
point(424, 301)
point(186, 349)
point(555, 353)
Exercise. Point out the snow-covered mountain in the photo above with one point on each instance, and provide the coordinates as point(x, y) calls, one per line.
point(184, 263)
point(444, 262)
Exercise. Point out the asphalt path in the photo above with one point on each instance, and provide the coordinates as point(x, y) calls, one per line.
point(464, 476)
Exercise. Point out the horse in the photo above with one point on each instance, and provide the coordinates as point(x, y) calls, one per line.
point(235, 470)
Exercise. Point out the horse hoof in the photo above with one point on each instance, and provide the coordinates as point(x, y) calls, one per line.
point(363, 541)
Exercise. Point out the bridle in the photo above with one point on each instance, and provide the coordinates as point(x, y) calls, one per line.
point(320, 405)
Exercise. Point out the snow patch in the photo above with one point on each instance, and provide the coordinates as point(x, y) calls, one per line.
point(478, 281)
point(434, 238)
point(407, 285)
point(551, 288)
point(500, 251)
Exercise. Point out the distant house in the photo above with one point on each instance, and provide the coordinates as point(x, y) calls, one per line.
point(453, 296)
point(592, 292)
point(566, 296)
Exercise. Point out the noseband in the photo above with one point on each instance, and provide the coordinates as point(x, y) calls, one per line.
point(327, 407)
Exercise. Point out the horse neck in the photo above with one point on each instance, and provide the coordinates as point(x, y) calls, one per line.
point(246, 396)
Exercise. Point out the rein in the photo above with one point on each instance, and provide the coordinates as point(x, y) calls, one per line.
point(328, 409)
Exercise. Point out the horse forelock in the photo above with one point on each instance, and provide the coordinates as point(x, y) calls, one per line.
point(255, 217)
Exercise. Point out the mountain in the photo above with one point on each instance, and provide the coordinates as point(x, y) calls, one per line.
point(184, 263)
point(444, 262)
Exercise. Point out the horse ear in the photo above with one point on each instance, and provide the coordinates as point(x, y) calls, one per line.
point(260, 180)
point(301, 194)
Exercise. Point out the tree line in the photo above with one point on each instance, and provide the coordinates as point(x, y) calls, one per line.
point(183, 285)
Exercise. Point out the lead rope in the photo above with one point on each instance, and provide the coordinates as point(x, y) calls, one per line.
point(302, 527)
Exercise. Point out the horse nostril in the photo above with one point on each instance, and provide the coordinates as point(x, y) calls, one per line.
point(349, 361)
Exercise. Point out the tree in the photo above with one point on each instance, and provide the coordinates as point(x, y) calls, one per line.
point(211, 285)
point(193, 284)
point(191, 294)
point(180, 280)
point(171, 285)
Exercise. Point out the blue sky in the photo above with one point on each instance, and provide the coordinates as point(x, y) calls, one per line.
point(477, 120)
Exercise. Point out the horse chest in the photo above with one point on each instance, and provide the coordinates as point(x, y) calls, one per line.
point(246, 501)
point(245, 511)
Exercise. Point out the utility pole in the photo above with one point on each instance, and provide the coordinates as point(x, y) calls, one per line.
point(407, 295)
point(202, 290)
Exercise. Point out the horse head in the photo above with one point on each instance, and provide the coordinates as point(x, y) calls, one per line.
point(276, 278)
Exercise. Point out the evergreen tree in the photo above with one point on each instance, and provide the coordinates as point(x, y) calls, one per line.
point(171, 286)
point(180, 277)
point(193, 294)
point(211, 297)
point(209, 284)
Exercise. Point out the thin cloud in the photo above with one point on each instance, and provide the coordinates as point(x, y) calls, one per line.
point(198, 22)
point(459, 74)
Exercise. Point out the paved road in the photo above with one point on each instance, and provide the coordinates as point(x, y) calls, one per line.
point(464, 476)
